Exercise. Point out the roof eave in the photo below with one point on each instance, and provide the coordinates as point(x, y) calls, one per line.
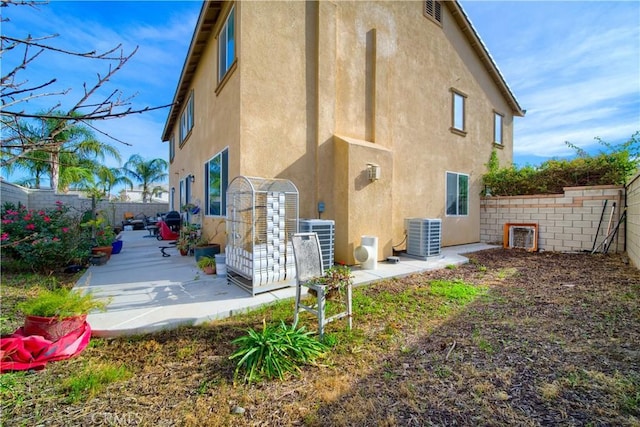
point(476, 43)
point(206, 21)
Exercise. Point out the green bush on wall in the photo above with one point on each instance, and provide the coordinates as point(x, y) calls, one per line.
point(613, 166)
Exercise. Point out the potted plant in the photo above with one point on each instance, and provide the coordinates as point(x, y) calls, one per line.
point(183, 246)
point(335, 278)
point(204, 247)
point(53, 314)
point(207, 264)
point(102, 235)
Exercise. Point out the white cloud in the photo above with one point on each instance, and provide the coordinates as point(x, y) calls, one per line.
point(574, 66)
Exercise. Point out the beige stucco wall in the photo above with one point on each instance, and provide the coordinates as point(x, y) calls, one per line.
point(322, 88)
point(216, 127)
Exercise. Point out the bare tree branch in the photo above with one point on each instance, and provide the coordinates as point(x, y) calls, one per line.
point(18, 141)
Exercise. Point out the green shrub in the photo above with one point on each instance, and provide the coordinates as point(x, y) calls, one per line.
point(61, 302)
point(612, 166)
point(274, 351)
point(45, 240)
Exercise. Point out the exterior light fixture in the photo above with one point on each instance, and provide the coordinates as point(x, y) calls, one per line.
point(373, 171)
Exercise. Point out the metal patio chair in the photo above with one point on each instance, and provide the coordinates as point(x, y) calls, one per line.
point(308, 258)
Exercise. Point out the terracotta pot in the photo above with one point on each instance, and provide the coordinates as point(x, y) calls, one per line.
point(52, 328)
point(184, 252)
point(209, 270)
point(106, 249)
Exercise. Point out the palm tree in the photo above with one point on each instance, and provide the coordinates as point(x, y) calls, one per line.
point(70, 153)
point(147, 173)
point(110, 177)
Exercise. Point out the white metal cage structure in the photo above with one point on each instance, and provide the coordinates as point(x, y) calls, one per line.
point(262, 216)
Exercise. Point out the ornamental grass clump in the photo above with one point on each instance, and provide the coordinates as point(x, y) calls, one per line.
point(275, 351)
point(61, 303)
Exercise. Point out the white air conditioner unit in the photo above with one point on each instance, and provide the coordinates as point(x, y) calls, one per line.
point(325, 229)
point(424, 236)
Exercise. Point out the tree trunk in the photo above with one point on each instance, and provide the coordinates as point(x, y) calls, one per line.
point(55, 169)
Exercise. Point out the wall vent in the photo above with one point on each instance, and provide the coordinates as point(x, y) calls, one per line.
point(433, 9)
point(424, 237)
point(521, 236)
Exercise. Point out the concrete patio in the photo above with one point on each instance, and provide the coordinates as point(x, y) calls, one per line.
point(149, 292)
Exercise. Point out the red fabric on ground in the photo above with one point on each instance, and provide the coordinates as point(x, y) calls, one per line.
point(19, 352)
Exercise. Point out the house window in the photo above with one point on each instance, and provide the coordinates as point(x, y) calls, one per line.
point(458, 112)
point(216, 173)
point(172, 148)
point(457, 194)
point(186, 120)
point(433, 10)
point(226, 45)
point(497, 128)
point(182, 195)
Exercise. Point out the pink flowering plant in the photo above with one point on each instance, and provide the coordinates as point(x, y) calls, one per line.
point(42, 240)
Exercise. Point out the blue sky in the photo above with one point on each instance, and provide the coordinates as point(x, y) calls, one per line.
point(574, 66)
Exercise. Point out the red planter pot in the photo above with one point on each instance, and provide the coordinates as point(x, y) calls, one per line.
point(106, 249)
point(52, 328)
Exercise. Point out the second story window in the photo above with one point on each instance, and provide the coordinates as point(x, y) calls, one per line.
point(497, 128)
point(226, 45)
point(186, 119)
point(458, 112)
point(172, 148)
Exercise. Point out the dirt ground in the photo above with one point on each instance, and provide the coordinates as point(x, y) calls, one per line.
point(554, 340)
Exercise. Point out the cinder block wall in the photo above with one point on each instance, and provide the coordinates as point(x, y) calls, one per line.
point(566, 222)
point(44, 199)
point(11, 193)
point(633, 221)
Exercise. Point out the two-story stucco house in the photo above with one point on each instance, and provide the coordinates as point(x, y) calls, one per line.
point(317, 91)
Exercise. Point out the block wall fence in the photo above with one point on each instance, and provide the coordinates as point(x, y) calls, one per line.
point(633, 221)
point(566, 222)
point(42, 199)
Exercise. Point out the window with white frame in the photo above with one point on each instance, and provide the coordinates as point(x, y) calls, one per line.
point(226, 45)
point(216, 173)
point(457, 194)
point(186, 119)
point(458, 111)
point(497, 128)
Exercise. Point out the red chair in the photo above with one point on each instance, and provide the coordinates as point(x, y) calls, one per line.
point(165, 233)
